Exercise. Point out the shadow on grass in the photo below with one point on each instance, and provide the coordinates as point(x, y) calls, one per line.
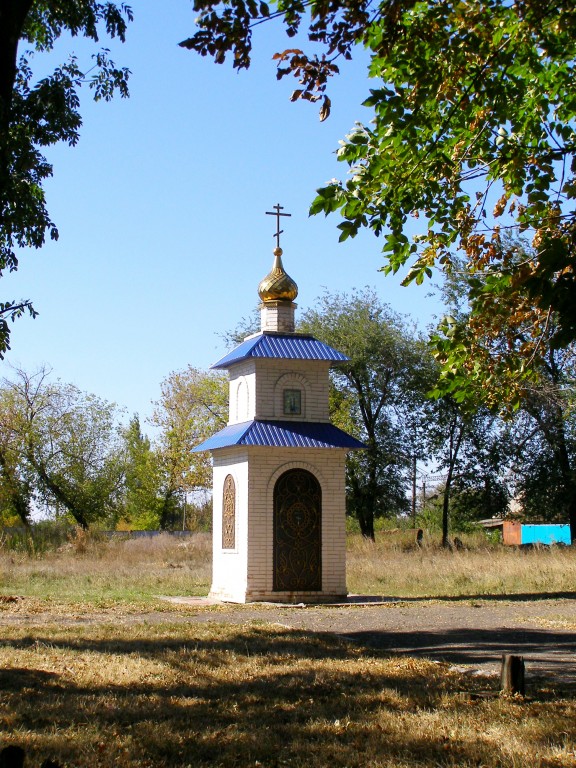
point(547, 648)
point(243, 696)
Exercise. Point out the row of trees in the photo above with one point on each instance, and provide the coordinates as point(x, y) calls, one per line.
point(471, 132)
point(67, 451)
point(485, 458)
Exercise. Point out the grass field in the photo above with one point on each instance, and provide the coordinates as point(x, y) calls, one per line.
point(96, 683)
point(136, 570)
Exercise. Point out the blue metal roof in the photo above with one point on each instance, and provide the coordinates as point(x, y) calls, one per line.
point(288, 434)
point(285, 346)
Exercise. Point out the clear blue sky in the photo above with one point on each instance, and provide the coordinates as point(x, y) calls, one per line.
point(161, 212)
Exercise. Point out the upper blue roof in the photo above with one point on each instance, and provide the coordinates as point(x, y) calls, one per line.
point(288, 434)
point(285, 346)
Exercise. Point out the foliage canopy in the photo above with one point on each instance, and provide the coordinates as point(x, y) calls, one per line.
point(472, 135)
point(377, 396)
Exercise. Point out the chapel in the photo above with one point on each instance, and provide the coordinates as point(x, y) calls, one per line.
point(279, 465)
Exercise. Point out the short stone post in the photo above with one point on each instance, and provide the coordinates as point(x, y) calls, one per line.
point(512, 674)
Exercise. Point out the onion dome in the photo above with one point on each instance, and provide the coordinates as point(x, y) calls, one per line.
point(277, 285)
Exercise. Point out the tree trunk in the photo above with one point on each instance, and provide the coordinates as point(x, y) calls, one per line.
point(167, 510)
point(366, 522)
point(361, 506)
point(59, 492)
point(445, 512)
point(12, 16)
point(452, 458)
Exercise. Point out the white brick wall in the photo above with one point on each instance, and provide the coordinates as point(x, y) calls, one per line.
point(246, 574)
point(229, 567)
point(257, 389)
point(277, 316)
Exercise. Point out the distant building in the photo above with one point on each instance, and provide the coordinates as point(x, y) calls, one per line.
point(515, 533)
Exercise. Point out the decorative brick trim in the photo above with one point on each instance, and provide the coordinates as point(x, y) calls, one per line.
point(292, 465)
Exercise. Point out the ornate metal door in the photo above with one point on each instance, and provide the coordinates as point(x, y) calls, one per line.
point(297, 532)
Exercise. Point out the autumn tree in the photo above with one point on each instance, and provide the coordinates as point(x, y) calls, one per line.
point(37, 113)
point(540, 430)
point(471, 133)
point(192, 407)
point(376, 396)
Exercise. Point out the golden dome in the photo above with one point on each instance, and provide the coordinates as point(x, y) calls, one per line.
point(277, 285)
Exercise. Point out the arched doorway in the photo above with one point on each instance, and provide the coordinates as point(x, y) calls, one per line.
point(297, 532)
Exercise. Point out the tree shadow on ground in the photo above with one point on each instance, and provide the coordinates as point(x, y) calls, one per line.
point(244, 696)
point(551, 652)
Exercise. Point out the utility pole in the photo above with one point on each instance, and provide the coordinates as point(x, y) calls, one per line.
point(414, 491)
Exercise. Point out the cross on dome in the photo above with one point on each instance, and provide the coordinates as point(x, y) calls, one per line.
point(276, 212)
point(278, 285)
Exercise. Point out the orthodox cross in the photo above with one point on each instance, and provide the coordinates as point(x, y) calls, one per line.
point(276, 212)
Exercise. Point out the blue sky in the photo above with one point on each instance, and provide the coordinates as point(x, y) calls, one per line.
point(161, 212)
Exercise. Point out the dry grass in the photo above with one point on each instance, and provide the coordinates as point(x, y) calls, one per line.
point(136, 570)
point(93, 686)
point(215, 695)
point(394, 566)
point(104, 572)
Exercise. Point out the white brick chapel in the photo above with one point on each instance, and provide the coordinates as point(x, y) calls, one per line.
point(278, 467)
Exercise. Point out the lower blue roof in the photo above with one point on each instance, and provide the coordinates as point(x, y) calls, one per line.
point(281, 434)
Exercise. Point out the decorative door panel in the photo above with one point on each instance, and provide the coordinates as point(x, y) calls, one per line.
point(297, 532)
point(229, 513)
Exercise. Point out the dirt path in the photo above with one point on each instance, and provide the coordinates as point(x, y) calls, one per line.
point(471, 633)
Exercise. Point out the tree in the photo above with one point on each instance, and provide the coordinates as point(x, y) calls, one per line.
point(546, 458)
point(473, 450)
point(15, 483)
point(143, 499)
point(376, 397)
point(472, 134)
point(192, 407)
point(541, 432)
point(34, 115)
point(67, 442)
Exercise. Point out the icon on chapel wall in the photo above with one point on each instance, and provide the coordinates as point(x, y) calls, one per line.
point(292, 402)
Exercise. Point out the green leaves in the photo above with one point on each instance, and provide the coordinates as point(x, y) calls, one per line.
point(376, 395)
point(470, 133)
point(63, 444)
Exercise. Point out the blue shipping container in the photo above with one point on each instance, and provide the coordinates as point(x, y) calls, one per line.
point(546, 534)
